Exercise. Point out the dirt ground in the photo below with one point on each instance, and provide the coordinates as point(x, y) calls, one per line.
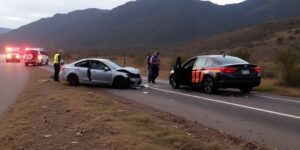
point(55, 116)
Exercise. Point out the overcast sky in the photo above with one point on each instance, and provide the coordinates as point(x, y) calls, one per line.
point(15, 13)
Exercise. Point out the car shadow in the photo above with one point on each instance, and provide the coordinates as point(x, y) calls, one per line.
point(219, 92)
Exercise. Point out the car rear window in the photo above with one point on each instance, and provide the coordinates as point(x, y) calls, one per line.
point(12, 52)
point(229, 60)
point(31, 52)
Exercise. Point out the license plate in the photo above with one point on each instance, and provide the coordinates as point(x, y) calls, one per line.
point(245, 72)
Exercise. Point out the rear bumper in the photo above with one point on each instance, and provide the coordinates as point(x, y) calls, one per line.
point(238, 82)
point(33, 61)
point(13, 60)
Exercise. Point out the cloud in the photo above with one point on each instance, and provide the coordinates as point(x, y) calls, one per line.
point(39, 15)
point(11, 18)
point(19, 12)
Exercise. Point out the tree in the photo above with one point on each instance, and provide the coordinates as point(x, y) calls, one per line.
point(289, 63)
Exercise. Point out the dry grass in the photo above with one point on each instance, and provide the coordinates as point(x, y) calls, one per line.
point(275, 87)
point(51, 115)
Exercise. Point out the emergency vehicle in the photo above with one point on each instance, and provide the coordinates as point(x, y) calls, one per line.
point(12, 54)
point(35, 56)
point(216, 71)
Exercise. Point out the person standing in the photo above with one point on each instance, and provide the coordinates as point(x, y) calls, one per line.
point(57, 62)
point(148, 58)
point(155, 66)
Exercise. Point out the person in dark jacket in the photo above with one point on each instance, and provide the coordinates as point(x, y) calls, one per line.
point(155, 66)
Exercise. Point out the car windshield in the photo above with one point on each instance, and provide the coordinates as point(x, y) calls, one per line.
point(112, 64)
point(31, 52)
point(229, 60)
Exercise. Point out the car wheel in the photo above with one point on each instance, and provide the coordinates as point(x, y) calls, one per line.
point(47, 62)
point(26, 64)
point(209, 85)
point(120, 83)
point(173, 83)
point(246, 89)
point(73, 80)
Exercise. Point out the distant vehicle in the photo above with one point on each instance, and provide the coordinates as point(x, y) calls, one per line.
point(100, 71)
point(12, 54)
point(216, 71)
point(35, 56)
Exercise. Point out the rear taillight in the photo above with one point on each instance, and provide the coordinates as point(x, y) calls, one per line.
point(17, 56)
point(40, 57)
point(228, 70)
point(257, 69)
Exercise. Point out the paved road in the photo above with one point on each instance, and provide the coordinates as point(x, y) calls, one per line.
point(13, 79)
point(268, 119)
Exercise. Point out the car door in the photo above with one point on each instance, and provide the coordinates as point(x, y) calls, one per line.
point(199, 70)
point(100, 72)
point(81, 69)
point(187, 71)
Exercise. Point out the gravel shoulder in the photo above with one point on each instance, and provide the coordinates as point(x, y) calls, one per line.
point(50, 115)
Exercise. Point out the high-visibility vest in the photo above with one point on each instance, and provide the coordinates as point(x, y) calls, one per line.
point(55, 61)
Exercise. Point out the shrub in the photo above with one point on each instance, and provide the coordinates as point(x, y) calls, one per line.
point(280, 40)
point(288, 61)
point(292, 38)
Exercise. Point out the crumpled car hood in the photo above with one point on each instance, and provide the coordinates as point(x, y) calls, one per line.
point(129, 69)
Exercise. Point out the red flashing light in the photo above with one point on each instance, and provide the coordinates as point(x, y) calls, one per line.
point(8, 56)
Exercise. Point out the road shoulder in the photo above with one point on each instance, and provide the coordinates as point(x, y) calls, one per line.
point(50, 115)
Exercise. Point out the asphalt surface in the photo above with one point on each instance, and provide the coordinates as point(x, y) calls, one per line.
point(271, 120)
point(13, 79)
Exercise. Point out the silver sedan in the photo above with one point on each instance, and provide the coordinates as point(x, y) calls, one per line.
point(100, 71)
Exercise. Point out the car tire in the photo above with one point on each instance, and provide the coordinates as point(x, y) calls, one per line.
point(73, 80)
point(173, 83)
point(26, 64)
point(209, 85)
point(47, 62)
point(120, 83)
point(246, 89)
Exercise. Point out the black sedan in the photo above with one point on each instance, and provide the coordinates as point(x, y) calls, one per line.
point(216, 71)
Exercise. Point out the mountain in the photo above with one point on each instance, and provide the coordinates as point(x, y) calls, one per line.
point(4, 30)
point(148, 23)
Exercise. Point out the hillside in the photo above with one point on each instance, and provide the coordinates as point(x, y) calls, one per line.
point(262, 41)
point(4, 30)
point(144, 24)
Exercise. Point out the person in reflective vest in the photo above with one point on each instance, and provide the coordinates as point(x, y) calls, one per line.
point(57, 62)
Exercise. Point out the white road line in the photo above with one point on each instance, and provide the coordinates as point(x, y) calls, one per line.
point(276, 98)
point(228, 103)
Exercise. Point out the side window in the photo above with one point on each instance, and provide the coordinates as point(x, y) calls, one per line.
point(44, 53)
point(201, 62)
point(83, 64)
point(97, 65)
point(190, 64)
